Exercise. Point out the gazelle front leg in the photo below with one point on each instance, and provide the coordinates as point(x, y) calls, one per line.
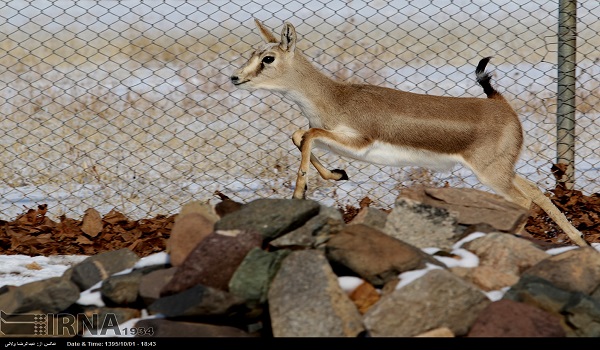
point(335, 174)
point(304, 140)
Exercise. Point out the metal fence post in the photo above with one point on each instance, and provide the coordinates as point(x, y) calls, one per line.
point(565, 114)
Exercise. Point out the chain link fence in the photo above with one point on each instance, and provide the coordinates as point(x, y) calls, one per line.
point(128, 104)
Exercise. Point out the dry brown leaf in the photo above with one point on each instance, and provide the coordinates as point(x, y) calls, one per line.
point(91, 223)
point(83, 240)
point(114, 217)
point(134, 244)
point(33, 266)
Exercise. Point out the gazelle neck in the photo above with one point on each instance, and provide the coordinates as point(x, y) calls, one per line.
point(310, 89)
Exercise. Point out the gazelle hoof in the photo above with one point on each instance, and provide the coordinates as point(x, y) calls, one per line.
point(343, 175)
point(300, 194)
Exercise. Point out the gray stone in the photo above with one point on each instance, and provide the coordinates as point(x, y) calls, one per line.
point(472, 206)
point(121, 290)
point(253, 277)
point(580, 312)
point(583, 316)
point(576, 270)
point(152, 283)
point(51, 295)
point(306, 300)
point(162, 328)
point(507, 318)
point(506, 252)
point(270, 217)
point(315, 232)
point(213, 261)
point(373, 255)
point(100, 266)
point(375, 218)
point(198, 300)
point(502, 259)
point(486, 277)
point(540, 293)
point(422, 225)
point(437, 299)
point(109, 316)
point(596, 294)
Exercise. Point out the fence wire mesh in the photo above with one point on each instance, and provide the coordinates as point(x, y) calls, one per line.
point(128, 104)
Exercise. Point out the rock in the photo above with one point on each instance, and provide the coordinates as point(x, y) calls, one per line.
point(213, 261)
point(121, 290)
point(152, 283)
point(198, 300)
point(576, 270)
point(270, 217)
point(507, 318)
point(472, 206)
point(266, 289)
point(305, 300)
point(373, 255)
point(195, 222)
point(437, 299)
point(314, 233)
point(188, 231)
point(100, 316)
point(487, 277)
point(99, 267)
point(227, 206)
point(364, 296)
point(596, 294)
point(253, 277)
point(51, 295)
point(6, 288)
point(442, 332)
point(580, 312)
point(422, 225)
point(506, 252)
point(582, 315)
point(162, 328)
point(502, 258)
point(201, 208)
point(91, 224)
point(371, 217)
point(539, 293)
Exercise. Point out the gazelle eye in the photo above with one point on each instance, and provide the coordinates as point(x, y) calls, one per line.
point(268, 59)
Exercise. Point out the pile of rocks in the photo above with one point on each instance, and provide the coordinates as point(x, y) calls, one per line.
point(443, 262)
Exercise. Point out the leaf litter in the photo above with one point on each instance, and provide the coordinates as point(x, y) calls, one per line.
point(33, 233)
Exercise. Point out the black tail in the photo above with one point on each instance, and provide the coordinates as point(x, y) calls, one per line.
point(483, 78)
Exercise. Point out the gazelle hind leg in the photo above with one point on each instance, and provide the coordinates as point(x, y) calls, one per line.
point(532, 191)
point(335, 174)
point(503, 185)
point(500, 178)
point(523, 192)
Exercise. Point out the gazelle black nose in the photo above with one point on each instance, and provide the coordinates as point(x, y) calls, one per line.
point(234, 79)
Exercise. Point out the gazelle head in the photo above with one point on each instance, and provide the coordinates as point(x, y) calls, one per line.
point(271, 65)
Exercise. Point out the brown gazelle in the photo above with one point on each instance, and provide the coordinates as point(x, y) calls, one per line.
point(391, 127)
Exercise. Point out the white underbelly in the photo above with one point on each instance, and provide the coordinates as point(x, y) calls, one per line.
point(387, 154)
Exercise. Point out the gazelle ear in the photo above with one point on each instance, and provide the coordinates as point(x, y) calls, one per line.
point(267, 35)
point(288, 37)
